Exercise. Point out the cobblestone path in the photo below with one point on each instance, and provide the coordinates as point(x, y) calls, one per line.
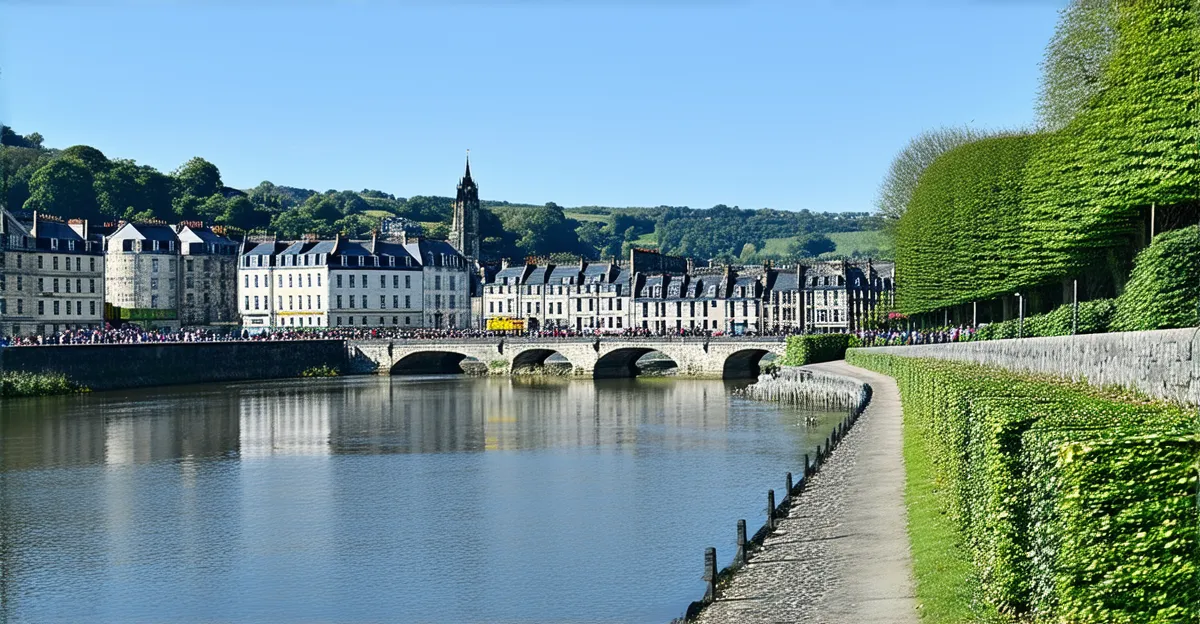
point(842, 555)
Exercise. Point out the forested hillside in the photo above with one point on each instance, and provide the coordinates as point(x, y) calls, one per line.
point(82, 182)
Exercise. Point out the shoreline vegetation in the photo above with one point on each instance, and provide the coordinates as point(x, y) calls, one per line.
point(17, 384)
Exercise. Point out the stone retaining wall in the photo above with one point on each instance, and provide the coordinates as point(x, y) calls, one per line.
point(109, 367)
point(1162, 364)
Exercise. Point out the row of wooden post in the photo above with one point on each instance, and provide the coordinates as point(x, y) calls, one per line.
point(742, 557)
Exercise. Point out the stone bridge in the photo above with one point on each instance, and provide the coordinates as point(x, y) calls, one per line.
point(727, 357)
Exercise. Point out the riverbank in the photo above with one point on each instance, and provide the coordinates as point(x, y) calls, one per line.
point(842, 553)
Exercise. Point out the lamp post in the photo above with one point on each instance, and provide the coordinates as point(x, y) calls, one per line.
point(1020, 315)
point(1075, 307)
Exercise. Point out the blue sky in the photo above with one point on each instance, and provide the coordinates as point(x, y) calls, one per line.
point(787, 105)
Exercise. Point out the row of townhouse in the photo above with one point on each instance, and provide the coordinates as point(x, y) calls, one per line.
point(406, 283)
point(822, 297)
point(56, 276)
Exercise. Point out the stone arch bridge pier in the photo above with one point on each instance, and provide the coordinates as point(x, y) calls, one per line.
point(730, 358)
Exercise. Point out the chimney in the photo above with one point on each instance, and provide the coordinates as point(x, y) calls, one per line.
point(504, 264)
point(374, 240)
point(35, 224)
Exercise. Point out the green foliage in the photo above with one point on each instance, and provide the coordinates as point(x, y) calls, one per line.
point(1073, 68)
point(198, 178)
point(1094, 318)
point(904, 174)
point(63, 187)
point(19, 384)
point(722, 232)
point(1134, 144)
point(1164, 288)
point(961, 238)
point(321, 371)
point(1074, 506)
point(815, 348)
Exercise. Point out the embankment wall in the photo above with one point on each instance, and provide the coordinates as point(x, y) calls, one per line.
point(1162, 364)
point(110, 367)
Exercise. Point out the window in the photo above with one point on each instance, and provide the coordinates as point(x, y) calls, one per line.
point(395, 301)
point(256, 303)
point(247, 302)
point(154, 301)
point(154, 262)
point(407, 282)
point(383, 281)
point(395, 281)
point(290, 283)
point(352, 277)
point(382, 302)
point(154, 283)
point(364, 285)
point(318, 302)
point(55, 258)
point(92, 307)
point(351, 302)
point(319, 280)
point(290, 302)
point(407, 301)
point(437, 282)
point(41, 306)
point(339, 281)
point(452, 287)
point(92, 262)
point(491, 307)
point(39, 266)
point(56, 284)
point(281, 281)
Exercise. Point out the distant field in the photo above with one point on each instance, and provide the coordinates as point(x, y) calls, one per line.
point(580, 216)
point(646, 241)
point(847, 243)
point(378, 214)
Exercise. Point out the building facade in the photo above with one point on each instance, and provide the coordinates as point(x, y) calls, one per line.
point(52, 276)
point(667, 295)
point(406, 284)
point(159, 275)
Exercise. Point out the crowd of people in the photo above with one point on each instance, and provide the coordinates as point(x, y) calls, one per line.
point(130, 334)
point(887, 338)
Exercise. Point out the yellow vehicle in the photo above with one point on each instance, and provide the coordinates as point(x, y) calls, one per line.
point(505, 323)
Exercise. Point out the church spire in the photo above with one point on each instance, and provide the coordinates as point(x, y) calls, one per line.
point(467, 176)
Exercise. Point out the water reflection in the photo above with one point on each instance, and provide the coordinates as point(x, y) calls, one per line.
point(377, 499)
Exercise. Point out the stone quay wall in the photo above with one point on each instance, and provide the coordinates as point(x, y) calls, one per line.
point(111, 367)
point(1163, 364)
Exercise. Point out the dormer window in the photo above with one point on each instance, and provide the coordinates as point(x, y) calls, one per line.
point(54, 243)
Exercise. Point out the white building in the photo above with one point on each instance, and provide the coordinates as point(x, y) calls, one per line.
point(343, 283)
point(51, 276)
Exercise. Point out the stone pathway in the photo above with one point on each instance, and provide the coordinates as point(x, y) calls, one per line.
point(842, 555)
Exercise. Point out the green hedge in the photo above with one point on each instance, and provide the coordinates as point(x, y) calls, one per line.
point(814, 348)
point(1094, 318)
point(1164, 288)
point(1018, 212)
point(1074, 506)
point(1090, 188)
point(961, 237)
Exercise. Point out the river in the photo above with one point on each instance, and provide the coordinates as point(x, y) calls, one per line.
point(402, 499)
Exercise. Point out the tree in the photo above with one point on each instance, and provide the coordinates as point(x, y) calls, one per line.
point(92, 158)
point(198, 178)
point(12, 139)
point(242, 213)
point(1075, 60)
point(905, 171)
point(810, 246)
point(63, 187)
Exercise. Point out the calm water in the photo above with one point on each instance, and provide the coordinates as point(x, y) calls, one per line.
point(382, 500)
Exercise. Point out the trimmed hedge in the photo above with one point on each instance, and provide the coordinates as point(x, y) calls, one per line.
point(1074, 506)
point(1164, 288)
point(1094, 318)
point(20, 384)
point(813, 348)
point(1018, 212)
point(961, 237)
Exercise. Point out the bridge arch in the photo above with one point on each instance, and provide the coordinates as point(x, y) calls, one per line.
point(537, 359)
point(432, 362)
point(742, 364)
point(623, 362)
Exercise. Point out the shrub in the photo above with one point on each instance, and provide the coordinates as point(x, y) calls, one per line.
point(1094, 318)
point(19, 384)
point(321, 371)
point(1163, 289)
point(1074, 506)
point(814, 348)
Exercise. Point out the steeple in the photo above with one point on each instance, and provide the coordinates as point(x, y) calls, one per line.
point(464, 232)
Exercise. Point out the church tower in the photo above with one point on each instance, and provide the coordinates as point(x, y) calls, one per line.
point(464, 233)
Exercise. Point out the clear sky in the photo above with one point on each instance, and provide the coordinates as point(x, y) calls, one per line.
point(790, 105)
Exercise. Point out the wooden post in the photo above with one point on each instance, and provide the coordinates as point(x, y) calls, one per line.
point(771, 509)
point(807, 467)
point(710, 574)
point(741, 543)
point(790, 487)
